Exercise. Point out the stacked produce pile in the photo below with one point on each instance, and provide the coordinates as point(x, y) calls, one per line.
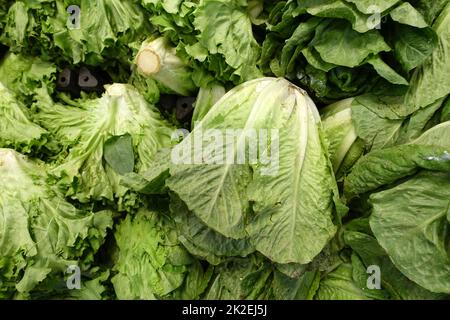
point(110, 166)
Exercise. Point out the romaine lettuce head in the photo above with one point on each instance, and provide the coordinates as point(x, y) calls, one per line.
point(337, 49)
point(42, 234)
point(104, 138)
point(344, 147)
point(256, 166)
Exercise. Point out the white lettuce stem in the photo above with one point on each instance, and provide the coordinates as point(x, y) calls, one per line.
point(148, 61)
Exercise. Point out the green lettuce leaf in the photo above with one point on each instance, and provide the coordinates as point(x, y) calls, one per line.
point(202, 241)
point(151, 263)
point(240, 279)
point(85, 131)
point(341, 135)
point(342, 284)
point(207, 97)
point(369, 122)
point(225, 28)
point(25, 75)
point(340, 10)
point(44, 234)
point(407, 14)
point(360, 238)
point(367, 6)
point(410, 222)
point(102, 29)
point(337, 43)
point(430, 82)
point(383, 167)
point(338, 49)
point(17, 130)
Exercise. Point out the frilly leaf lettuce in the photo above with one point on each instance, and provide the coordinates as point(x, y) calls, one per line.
point(225, 28)
point(17, 129)
point(43, 233)
point(24, 75)
point(151, 263)
point(83, 131)
point(105, 28)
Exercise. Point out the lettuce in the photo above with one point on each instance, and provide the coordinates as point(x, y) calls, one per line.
point(407, 192)
point(18, 131)
point(338, 48)
point(214, 36)
point(156, 59)
point(429, 82)
point(151, 263)
point(235, 149)
point(99, 136)
point(25, 76)
point(370, 122)
point(102, 29)
point(256, 198)
point(43, 233)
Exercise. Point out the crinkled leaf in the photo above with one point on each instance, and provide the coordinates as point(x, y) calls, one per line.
point(410, 222)
point(339, 44)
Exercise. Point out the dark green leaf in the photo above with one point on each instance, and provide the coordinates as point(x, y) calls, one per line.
point(119, 154)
